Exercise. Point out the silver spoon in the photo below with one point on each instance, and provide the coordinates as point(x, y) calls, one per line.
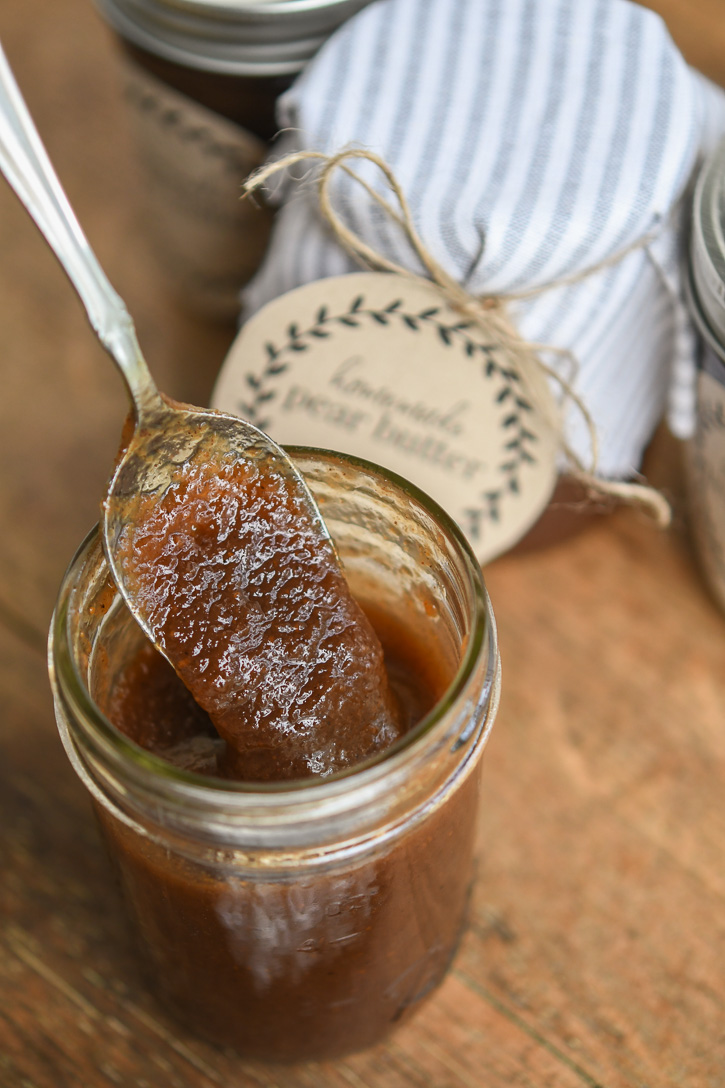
point(166, 435)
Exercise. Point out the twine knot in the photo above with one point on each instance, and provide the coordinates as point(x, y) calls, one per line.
point(489, 312)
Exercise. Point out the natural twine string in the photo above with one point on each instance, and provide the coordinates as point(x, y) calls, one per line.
point(488, 312)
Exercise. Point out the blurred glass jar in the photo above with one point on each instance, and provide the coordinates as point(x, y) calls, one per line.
point(301, 919)
point(201, 81)
point(705, 452)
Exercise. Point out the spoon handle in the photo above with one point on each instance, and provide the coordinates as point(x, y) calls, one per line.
point(27, 168)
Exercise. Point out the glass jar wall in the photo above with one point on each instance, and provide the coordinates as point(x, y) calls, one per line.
point(299, 920)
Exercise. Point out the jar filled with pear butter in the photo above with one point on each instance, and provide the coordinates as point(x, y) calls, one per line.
point(294, 918)
point(201, 79)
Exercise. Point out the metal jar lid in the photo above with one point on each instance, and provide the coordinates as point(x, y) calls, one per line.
point(234, 37)
point(707, 242)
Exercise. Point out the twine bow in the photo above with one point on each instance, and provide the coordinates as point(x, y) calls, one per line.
point(488, 312)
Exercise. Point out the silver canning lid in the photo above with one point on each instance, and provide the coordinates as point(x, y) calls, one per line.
point(707, 242)
point(234, 37)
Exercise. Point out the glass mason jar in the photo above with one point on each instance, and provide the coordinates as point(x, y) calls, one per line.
point(201, 81)
point(705, 452)
point(304, 919)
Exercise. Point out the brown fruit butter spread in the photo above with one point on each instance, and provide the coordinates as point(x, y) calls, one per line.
point(285, 676)
point(308, 968)
point(151, 706)
point(244, 594)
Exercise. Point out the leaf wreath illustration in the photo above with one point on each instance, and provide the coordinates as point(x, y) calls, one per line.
point(518, 447)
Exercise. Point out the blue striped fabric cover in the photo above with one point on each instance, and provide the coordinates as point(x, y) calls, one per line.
point(534, 139)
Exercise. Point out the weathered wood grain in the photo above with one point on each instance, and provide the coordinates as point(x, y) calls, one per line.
point(596, 952)
point(615, 775)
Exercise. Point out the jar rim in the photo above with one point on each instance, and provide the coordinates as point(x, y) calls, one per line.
point(232, 37)
point(68, 682)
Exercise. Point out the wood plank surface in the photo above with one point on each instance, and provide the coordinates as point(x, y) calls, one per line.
point(596, 950)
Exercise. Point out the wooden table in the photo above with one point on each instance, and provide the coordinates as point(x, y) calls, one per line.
point(596, 953)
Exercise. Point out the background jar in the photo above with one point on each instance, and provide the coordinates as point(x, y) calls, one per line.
point(299, 920)
point(201, 79)
point(705, 452)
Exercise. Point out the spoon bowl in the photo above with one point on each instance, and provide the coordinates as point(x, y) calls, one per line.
point(169, 439)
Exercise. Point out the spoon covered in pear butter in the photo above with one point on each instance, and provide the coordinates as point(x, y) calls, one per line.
point(216, 544)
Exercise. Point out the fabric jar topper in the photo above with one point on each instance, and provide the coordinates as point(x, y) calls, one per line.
point(488, 314)
point(534, 140)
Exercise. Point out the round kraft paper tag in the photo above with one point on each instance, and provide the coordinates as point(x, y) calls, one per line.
point(378, 366)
